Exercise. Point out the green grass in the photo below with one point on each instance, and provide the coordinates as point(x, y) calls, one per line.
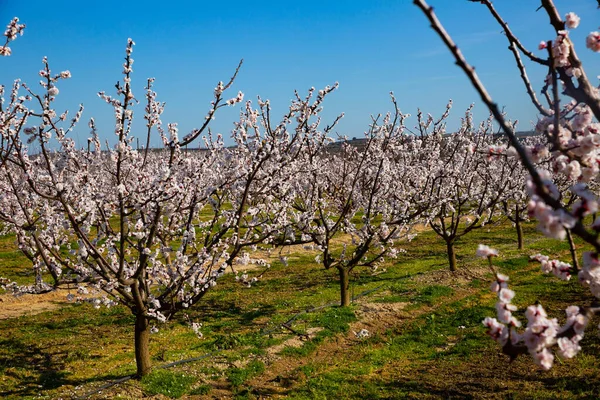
point(167, 383)
point(431, 294)
point(431, 345)
point(14, 266)
point(239, 376)
point(336, 319)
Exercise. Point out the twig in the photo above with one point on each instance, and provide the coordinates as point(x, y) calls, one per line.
point(289, 328)
point(527, 83)
point(585, 92)
point(509, 35)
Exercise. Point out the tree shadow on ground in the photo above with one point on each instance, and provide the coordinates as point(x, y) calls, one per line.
point(215, 309)
point(36, 369)
point(388, 390)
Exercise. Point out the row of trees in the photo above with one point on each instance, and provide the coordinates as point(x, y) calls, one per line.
point(154, 231)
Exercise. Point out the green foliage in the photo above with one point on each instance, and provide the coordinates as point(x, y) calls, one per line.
point(201, 390)
point(227, 341)
point(306, 349)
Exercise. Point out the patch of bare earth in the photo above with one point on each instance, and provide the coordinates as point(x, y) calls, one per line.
point(296, 341)
point(378, 317)
point(31, 304)
point(454, 279)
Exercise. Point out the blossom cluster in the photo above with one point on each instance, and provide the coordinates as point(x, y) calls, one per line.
point(541, 333)
point(13, 29)
point(560, 269)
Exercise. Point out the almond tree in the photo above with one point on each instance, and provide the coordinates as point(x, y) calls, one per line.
point(470, 182)
point(152, 231)
point(359, 192)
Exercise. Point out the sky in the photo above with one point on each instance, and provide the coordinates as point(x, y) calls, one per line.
point(371, 47)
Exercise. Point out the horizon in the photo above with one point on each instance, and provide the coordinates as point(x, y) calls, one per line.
point(370, 48)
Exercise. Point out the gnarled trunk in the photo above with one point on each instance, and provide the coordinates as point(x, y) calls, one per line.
point(344, 286)
point(519, 232)
point(573, 251)
point(451, 254)
point(142, 338)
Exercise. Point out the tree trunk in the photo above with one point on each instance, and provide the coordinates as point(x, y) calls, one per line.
point(519, 232)
point(142, 337)
point(344, 287)
point(573, 251)
point(451, 255)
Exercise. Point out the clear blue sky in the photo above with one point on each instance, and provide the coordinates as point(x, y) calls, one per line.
point(370, 47)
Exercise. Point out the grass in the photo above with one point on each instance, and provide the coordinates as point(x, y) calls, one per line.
point(425, 334)
point(238, 376)
point(167, 383)
point(431, 294)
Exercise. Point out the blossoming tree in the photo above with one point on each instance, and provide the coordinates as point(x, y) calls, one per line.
point(470, 180)
point(152, 231)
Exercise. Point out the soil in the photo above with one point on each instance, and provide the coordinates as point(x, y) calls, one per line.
point(296, 341)
point(31, 304)
point(454, 279)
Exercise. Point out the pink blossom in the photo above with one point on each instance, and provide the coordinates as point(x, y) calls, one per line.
point(572, 20)
point(496, 330)
point(593, 41)
point(506, 295)
point(535, 312)
point(590, 260)
point(561, 49)
point(544, 359)
point(486, 251)
point(568, 348)
point(499, 283)
point(504, 315)
point(14, 28)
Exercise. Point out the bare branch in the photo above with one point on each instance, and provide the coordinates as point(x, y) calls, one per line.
point(509, 35)
point(527, 83)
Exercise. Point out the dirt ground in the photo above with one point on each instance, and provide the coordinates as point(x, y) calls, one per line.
point(31, 304)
